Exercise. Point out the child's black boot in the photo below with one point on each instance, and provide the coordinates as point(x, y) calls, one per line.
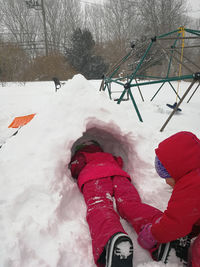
point(119, 251)
point(181, 247)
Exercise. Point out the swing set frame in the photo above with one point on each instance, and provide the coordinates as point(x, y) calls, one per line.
point(134, 79)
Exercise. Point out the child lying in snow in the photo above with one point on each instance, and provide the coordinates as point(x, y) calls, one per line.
point(100, 177)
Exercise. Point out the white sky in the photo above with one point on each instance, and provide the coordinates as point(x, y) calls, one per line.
point(193, 6)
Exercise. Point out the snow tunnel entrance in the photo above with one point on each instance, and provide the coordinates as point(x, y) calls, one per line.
point(112, 140)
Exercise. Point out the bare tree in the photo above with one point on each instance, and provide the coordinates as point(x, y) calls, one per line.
point(94, 20)
point(161, 16)
point(114, 26)
point(25, 25)
point(13, 63)
point(62, 18)
point(19, 22)
point(113, 20)
point(120, 21)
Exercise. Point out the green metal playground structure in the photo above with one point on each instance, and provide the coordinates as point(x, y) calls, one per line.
point(137, 78)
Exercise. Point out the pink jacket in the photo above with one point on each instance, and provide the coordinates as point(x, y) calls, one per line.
point(91, 165)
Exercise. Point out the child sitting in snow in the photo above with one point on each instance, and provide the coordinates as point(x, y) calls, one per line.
point(178, 162)
point(100, 177)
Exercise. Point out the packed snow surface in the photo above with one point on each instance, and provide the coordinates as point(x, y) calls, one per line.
point(42, 212)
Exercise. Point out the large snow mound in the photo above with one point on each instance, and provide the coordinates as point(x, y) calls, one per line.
point(42, 212)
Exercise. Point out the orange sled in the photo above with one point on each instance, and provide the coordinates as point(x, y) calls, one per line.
point(21, 121)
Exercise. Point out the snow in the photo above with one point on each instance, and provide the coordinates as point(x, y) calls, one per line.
point(42, 212)
point(124, 250)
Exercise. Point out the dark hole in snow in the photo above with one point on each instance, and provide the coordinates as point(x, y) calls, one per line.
point(112, 140)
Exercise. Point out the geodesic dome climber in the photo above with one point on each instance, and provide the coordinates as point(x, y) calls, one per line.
point(169, 49)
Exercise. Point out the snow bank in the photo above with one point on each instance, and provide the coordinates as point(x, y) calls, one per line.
point(42, 212)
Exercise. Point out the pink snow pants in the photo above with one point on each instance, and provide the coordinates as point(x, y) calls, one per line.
point(102, 218)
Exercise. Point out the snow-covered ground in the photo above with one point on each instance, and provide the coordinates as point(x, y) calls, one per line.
point(42, 212)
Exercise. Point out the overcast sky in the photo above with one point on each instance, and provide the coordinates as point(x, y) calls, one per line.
point(193, 6)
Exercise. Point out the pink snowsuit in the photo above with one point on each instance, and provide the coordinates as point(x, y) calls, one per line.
point(100, 178)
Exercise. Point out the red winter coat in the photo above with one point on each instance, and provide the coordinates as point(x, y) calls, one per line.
point(91, 163)
point(180, 155)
